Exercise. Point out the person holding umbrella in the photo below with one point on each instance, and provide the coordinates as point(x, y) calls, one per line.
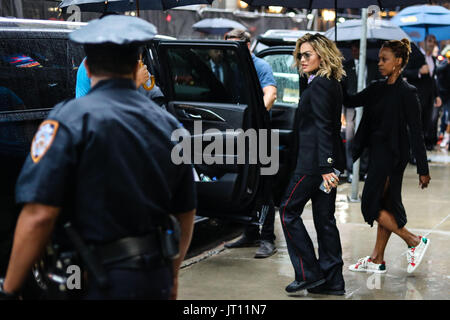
point(320, 152)
point(391, 107)
point(421, 73)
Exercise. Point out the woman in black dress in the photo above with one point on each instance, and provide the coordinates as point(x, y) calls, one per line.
point(319, 151)
point(391, 107)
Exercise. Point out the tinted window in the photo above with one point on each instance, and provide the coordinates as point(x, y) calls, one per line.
point(36, 73)
point(286, 76)
point(206, 75)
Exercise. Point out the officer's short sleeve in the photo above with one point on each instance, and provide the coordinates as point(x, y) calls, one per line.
point(46, 174)
point(185, 195)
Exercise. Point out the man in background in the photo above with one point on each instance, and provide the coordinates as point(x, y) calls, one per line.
point(421, 73)
point(350, 83)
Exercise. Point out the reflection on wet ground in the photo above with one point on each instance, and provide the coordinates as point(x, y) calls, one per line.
point(235, 274)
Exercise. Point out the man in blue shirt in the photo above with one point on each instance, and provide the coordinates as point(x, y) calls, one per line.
point(83, 85)
point(263, 69)
point(83, 82)
point(265, 239)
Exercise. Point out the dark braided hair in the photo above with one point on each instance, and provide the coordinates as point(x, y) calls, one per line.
point(401, 49)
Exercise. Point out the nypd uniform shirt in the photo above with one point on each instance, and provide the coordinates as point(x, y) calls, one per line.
point(105, 160)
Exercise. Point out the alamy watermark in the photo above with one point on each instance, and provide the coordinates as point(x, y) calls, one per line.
point(70, 280)
point(73, 281)
point(232, 146)
point(374, 281)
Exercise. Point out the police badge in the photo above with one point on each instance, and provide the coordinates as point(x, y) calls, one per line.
point(43, 139)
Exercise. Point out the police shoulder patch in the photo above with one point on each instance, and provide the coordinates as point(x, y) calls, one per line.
point(43, 139)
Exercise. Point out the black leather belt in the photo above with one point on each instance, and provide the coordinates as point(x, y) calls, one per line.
point(127, 248)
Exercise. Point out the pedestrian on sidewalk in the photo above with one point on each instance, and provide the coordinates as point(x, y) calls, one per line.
point(421, 73)
point(317, 127)
point(390, 106)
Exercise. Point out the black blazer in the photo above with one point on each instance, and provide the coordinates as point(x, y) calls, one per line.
point(317, 143)
point(405, 113)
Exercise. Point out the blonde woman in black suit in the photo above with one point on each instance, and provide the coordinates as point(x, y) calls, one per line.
point(319, 151)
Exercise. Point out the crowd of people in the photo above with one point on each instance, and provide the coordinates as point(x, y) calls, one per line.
point(141, 253)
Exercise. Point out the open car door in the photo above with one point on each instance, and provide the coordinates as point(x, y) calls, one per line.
point(286, 76)
point(219, 108)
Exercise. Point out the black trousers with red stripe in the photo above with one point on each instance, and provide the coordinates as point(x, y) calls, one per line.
point(301, 189)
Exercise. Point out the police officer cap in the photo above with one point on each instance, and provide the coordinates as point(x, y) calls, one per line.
point(115, 29)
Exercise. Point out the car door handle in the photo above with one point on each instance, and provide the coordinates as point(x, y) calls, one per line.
point(195, 116)
point(198, 113)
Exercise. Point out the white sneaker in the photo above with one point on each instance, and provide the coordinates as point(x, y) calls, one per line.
point(415, 254)
point(366, 265)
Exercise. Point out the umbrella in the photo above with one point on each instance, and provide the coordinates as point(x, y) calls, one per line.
point(217, 26)
point(128, 5)
point(330, 4)
point(376, 30)
point(336, 4)
point(418, 21)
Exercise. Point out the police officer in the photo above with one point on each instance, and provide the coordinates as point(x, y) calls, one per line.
point(101, 165)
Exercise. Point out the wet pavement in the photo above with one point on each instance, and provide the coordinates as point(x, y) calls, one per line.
point(233, 274)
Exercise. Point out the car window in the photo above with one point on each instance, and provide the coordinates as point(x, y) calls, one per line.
point(36, 73)
point(206, 75)
point(286, 76)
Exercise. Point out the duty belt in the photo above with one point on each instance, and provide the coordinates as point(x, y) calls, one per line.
point(127, 248)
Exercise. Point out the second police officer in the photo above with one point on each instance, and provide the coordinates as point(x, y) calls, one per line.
point(100, 166)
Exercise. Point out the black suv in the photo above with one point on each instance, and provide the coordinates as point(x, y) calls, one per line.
point(38, 68)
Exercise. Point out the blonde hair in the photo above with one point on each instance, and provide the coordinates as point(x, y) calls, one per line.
point(330, 56)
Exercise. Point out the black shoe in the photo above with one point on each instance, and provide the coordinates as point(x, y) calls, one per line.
point(243, 242)
point(295, 285)
point(266, 249)
point(323, 289)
